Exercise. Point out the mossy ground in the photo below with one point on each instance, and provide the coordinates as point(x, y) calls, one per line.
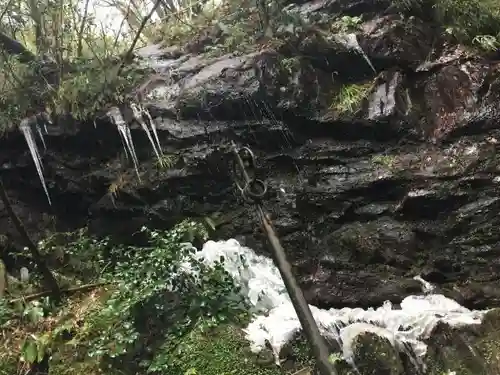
point(222, 350)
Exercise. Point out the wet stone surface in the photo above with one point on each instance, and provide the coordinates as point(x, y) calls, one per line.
point(407, 183)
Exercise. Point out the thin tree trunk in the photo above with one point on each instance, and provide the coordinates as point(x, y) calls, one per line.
point(38, 19)
point(3, 279)
point(130, 51)
point(48, 278)
point(82, 29)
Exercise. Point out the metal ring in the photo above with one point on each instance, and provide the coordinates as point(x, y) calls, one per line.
point(247, 157)
point(255, 189)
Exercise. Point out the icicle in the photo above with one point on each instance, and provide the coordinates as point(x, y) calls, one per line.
point(44, 119)
point(27, 130)
point(351, 41)
point(124, 148)
point(153, 128)
point(40, 134)
point(122, 127)
point(140, 120)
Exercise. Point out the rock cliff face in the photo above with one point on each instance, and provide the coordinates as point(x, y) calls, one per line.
point(378, 145)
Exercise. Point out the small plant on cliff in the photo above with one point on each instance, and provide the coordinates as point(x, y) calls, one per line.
point(290, 64)
point(384, 160)
point(487, 42)
point(349, 98)
point(165, 162)
point(347, 24)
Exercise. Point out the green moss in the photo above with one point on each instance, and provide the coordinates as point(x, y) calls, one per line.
point(218, 351)
point(384, 160)
point(374, 355)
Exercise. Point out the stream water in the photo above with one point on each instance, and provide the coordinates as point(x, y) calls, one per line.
point(275, 320)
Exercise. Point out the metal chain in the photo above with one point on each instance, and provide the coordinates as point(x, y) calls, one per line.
point(253, 191)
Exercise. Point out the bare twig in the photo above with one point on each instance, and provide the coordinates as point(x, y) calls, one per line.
point(7, 7)
point(130, 51)
point(117, 36)
point(83, 288)
point(82, 28)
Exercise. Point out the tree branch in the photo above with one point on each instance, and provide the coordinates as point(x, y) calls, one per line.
point(83, 288)
point(130, 51)
point(48, 277)
point(82, 29)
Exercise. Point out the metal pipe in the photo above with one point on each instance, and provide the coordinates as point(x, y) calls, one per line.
point(309, 326)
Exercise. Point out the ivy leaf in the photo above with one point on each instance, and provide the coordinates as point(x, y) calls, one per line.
point(210, 223)
point(29, 351)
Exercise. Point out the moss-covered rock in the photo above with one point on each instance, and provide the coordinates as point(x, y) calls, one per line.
point(218, 351)
point(470, 350)
point(374, 355)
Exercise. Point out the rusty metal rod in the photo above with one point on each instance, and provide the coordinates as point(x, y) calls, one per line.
point(309, 326)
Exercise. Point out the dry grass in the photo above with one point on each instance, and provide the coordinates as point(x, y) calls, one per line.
point(48, 329)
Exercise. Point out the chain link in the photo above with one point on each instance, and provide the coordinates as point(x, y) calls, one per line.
point(252, 189)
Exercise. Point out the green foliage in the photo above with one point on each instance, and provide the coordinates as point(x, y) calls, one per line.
point(156, 291)
point(6, 312)
point(347, 24)
point(165, 162)
point(81, 257)
point(160, 295)
point(235, 27)
point(487, 43)
point(81, 77)
point(384, 160)
point(335, 357)
point(348, 100)
point(214, 351)
point(14, 77)
point(470, 18)
point(290, 64)
point(470, 21)
point(93, 87)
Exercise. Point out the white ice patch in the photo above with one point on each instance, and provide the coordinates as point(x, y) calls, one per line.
point(276, 322)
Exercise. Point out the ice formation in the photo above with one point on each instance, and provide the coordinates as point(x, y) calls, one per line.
point(275, 320)
point(28, 127)
point(138, 112)
point(123, 129)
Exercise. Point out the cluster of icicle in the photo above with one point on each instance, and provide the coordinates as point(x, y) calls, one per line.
point(143, 117)
point(276, 323)
point(32, 126)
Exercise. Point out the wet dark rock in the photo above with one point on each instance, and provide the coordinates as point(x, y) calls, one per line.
point(404, 182)
point(393, 40)
point(469, 350)
point(466, 350)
